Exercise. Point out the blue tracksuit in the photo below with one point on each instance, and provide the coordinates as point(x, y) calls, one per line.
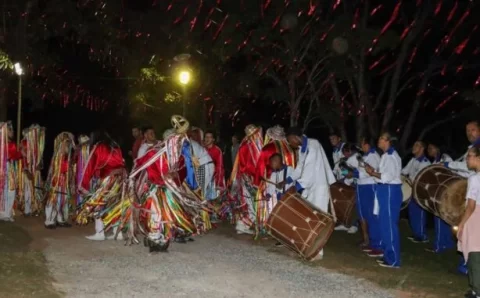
point(390, 201)
point(365, 203)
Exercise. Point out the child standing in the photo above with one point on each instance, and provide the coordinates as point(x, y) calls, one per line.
point(277, 185)
point(468, 236)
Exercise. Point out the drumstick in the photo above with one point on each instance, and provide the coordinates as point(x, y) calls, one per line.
point(268, 181)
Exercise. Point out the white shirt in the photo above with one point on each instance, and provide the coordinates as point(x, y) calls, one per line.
point(414, 166)
point(337, 156)
point(144, 148)
point(473, 190)
point(277, 177)
point(390, 168)
point(372, 158)
point(443, 158)
point(460, 165)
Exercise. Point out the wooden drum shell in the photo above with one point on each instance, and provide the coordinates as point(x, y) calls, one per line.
point(300, 226)
point(441, 192)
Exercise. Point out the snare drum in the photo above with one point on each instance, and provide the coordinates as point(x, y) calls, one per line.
point(406, 191)
point(300, 226)
point(442, 192)
point(344, 200)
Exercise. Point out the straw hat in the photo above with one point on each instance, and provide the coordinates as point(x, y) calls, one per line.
point(83, 139)
point(276, 133)
point(180, 124)
point(250, 130)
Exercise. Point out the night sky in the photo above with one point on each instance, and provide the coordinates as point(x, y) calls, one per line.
point(81, 76)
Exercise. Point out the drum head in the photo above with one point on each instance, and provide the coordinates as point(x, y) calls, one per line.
point(453, 207)
point(406, 189)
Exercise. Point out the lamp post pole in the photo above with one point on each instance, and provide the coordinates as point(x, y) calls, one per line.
point(19, 110)
point(19, 72)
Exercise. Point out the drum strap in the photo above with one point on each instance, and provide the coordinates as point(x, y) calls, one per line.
point(332, 208)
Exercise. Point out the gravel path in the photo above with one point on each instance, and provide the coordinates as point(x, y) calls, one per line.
point(212, 266)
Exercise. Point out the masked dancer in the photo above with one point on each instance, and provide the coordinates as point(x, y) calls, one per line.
point(242, 189)
point(103, 201)
point(9, 155)
point(31, 184)
point(82, 152)
point(275, 142)
point(170, 213)
point(60, 186)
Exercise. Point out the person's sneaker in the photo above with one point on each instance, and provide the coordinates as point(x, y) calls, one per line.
point(417, 240)
point(64, 225)
point(352, 230)
point(367, 249)
point(96, 237)
point(341, 228)
point(385, 265)
point(50, 227)
point(375, 254)
point(243, 229)
point(278, 244)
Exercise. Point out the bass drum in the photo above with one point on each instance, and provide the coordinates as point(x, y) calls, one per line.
point(442, 192)
point(406, 191)
point(300, 226)
point(344, 200)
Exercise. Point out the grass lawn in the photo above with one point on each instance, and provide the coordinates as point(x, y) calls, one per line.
point(422, 274)
point(23, 271)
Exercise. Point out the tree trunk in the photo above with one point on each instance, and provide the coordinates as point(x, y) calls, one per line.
point(338, 101)
point(3, 101)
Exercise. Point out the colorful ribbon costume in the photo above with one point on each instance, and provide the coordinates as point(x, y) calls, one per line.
point(59, 186)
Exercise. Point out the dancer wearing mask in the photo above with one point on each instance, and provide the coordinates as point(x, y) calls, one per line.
point(103, 202)
point(59, 186)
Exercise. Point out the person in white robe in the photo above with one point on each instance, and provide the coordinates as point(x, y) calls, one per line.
point(312, 173)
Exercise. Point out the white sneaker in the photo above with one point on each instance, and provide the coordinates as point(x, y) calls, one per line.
point(242, 228)
point(341, 228)
point(119, 237)
point(96, 237)
point(352, 230)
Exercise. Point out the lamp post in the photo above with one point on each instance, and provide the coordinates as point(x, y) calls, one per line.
point(184, 78)
point(19, 72)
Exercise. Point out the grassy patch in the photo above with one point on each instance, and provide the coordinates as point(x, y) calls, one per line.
point(23, 272)
point(423, 274)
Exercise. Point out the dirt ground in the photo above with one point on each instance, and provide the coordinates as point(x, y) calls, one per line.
point(24, 271)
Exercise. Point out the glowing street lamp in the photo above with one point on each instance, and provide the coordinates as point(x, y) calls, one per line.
point(19, 71)
point(184, 77)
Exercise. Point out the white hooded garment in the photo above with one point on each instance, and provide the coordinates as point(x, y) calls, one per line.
point(313, 173)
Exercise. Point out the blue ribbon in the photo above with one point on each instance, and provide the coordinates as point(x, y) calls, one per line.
point(191, 181)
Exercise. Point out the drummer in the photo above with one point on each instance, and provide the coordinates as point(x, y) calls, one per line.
point(460, 167)
point(443, 231)
point(389, 201)
point(366, 193)
point(349, 150)
point(416, 214)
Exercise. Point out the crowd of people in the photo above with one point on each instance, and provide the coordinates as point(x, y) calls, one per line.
point(177, 186)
